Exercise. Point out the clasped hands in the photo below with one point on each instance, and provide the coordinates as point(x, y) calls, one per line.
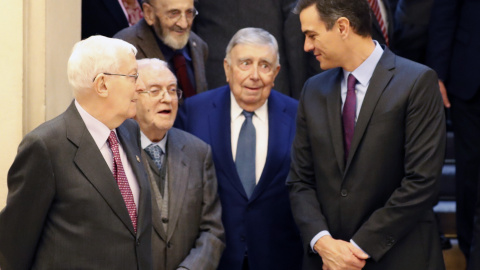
point(339, 254)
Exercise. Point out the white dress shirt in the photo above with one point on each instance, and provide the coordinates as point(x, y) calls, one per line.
point(260, 122)
point(100, 134)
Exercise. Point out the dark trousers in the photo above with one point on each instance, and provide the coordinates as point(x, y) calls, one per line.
point(466, 127)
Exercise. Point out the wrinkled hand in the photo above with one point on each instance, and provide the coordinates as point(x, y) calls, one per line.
point(443, 91)
point(339, 254)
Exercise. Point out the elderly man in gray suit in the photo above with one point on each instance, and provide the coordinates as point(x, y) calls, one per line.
point(165, 33)
point(188, 231)
point(78, 196)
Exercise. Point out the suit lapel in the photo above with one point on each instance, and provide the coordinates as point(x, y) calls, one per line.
point(379, 81)
point(178, 173)
point(334, 105)
point(219, 125)
point(198, 63)
point(91, 163)
point(147, 44)
point(279, 129)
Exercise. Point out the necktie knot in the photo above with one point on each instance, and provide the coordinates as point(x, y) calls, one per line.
point(112, 140)
point(248, 115)
point(351, 82)
point(155, 153)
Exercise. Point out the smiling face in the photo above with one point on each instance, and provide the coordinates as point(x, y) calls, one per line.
point(251, 74)
point(325, 44)
point(163, 15)
point(156, 114)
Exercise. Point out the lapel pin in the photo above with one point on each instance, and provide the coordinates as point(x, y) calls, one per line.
point(194, 44)
point(138, 159)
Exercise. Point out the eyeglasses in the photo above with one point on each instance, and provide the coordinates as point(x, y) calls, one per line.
point(115, 74)
point(175, 93)
point(176, 14)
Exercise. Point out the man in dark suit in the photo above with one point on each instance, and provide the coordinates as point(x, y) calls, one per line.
point(188, 231)
point(79, 197)
point(107, 17)
point(368, 149)
point(165, 33)
point(259, 226)
point(454, 54)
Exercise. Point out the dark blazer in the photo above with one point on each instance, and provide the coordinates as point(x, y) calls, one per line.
point(64, 208)
point(102, 17)
point(195, 237)
point(377, 31)
point(218, 21)
point(453, 50)
point(382, 198)
point(264, 223)
point(142, 37)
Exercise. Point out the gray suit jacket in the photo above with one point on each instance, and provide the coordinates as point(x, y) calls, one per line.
point(142, 37)
point(382, 197)
point(195, 236)
point(64, 208)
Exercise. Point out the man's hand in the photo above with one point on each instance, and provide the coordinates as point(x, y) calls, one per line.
point(443, 91)
point(339, 254)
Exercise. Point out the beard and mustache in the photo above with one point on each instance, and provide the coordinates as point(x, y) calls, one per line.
point(164, 33)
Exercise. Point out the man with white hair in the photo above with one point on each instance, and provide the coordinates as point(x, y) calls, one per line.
point(165, 33)
point(250, 128)
point(186, 212)
point(78, 194)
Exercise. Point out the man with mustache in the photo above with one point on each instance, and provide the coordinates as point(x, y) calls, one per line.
point(165, 33)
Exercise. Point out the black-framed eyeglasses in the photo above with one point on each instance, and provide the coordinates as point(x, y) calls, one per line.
point(135, 76)
point(175, 93)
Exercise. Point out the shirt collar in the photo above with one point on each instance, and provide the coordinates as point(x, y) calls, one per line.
point(364, 72)
point(145, 141)
point(236, 110)
point(99, 131)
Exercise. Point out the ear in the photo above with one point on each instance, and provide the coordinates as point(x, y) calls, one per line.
point(344, 27)
point(226, 67)
point(149, 13)
point(100, 86)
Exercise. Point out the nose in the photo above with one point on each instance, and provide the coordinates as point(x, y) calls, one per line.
point(254, 73)
point(166, 98)
point(183, 22)
point(308, 45)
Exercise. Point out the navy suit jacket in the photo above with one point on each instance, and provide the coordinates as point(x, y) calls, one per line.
point(264, 223)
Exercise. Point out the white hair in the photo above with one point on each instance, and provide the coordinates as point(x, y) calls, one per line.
point(151, 62)
point(252, 36)
point(92, 56)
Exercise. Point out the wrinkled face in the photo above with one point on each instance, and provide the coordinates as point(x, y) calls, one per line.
point(325, 44)
point(123, 90)
point(251, 74)
point(172, 20)
point(156, 111)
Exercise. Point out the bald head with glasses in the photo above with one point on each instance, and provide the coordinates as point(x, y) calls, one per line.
point(157, 105)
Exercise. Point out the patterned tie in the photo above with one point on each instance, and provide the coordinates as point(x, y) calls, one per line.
point(119, 174)
point(376, 10)
point(156, 154)
point(180, 65)
point(348, 116)
point(245, 157)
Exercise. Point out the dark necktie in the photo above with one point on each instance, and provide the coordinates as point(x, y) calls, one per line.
point(378, 15)
point(180, 65)
point(122, 182)
point(348, 116)
point(245, 157)
point(156, 153)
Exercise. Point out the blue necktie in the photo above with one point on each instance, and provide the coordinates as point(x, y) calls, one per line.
point(348, 116)
point(156, 153)
point(245, 157)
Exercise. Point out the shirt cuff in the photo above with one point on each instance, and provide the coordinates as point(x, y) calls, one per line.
point(316, 237)
point(355, 244)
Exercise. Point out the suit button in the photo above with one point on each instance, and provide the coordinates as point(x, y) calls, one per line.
point(138, 243)
point(169, 245)
point(165, 220)
point(344, 193)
